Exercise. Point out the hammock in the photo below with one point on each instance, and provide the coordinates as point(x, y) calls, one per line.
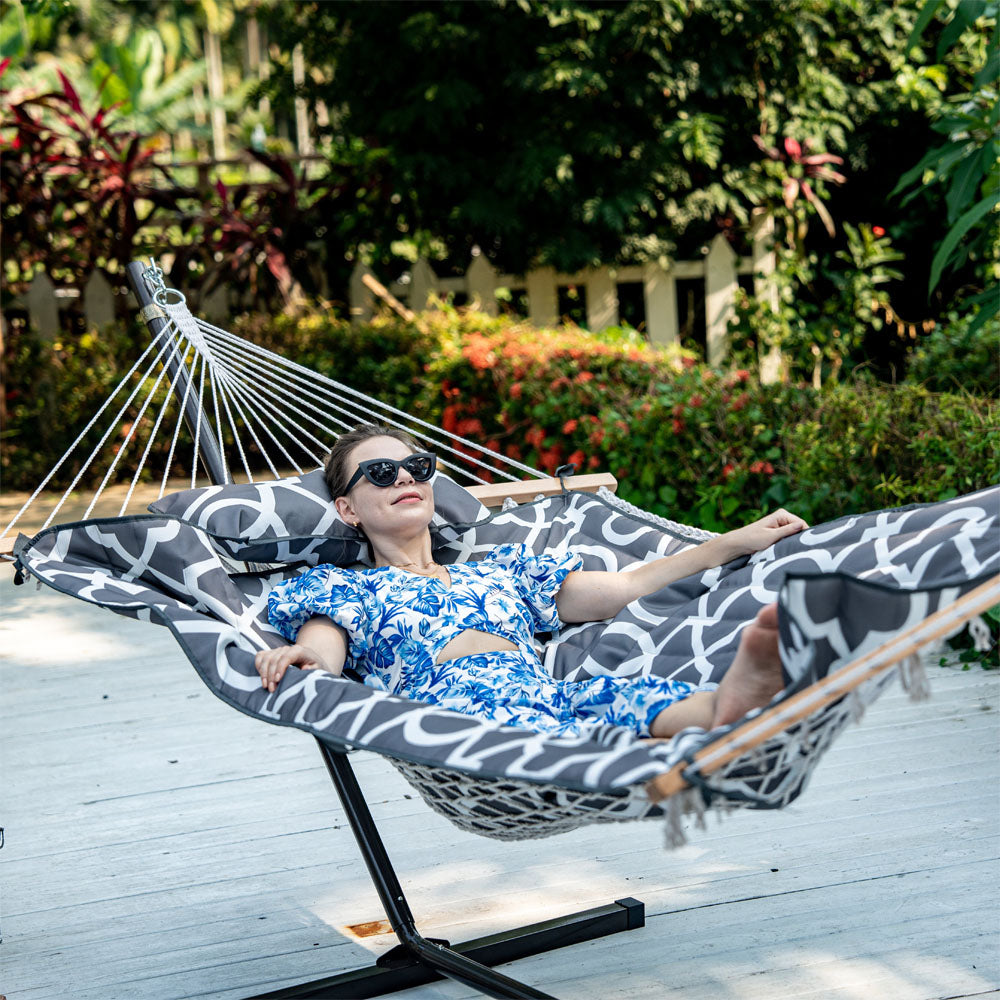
point(857, 596)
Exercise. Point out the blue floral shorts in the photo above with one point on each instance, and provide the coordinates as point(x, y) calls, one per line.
point(509, 687)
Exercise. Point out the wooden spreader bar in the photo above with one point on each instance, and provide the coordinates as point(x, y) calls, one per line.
point(494, 494)
point(757, 730)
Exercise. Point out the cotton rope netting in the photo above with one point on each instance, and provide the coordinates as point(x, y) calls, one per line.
point(245, 393)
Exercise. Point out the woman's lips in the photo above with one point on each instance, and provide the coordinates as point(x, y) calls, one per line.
point(407, 498)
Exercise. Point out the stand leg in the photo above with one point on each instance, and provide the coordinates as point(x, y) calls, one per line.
point(420, 960)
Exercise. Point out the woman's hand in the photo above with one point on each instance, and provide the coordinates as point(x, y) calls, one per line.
point(761, 534)
point(271, 664)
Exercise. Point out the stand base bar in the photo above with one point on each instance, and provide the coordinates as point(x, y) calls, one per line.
point(402, 971)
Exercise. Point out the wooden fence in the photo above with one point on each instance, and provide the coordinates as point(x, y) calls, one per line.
point(719, 271)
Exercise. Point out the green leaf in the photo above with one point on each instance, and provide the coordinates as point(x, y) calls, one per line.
point(925, 17)
point(965, 14)
point(941, 158)
point(955, 234)
point(668, 494)
point(964, 184)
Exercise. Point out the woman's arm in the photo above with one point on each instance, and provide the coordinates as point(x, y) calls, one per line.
point(587, 596)
point(320, 645)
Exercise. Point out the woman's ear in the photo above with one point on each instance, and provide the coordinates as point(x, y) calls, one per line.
point(346, 511)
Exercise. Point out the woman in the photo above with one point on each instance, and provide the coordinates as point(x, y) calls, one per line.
point(459, 636)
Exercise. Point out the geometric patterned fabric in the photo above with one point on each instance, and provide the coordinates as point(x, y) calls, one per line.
point(842, 587)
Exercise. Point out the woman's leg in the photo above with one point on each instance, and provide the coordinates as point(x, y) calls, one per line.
point(752, 680)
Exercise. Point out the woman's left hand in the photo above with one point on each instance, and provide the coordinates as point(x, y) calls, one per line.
point(760, 534)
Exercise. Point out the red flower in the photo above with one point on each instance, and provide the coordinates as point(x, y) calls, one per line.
point(689, 362)
point(515, 390)
point(597, 436)
point(449, 419)
point(728, 469)
point(740, 402)
point(570, 426)
point(470, 425)
point(878, 231)
point(696, 400)
point(535, 437)
point(514, 452)
point(593, 462)
point(584, 377)
point(678, 425)
point(577, 458)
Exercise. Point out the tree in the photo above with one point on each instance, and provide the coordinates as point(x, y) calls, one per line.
point(569, 132)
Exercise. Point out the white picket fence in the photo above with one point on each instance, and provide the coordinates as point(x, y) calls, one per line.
point(719, 269)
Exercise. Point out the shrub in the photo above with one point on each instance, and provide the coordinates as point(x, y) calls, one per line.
point(536, 395)
point(956, 357)
point(716, 451)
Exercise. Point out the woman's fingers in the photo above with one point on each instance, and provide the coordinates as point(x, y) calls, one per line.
point(272, 664)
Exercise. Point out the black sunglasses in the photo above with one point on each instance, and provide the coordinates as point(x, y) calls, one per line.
point(384, 471)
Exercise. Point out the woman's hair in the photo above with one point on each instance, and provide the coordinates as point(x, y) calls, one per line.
point(336, 471)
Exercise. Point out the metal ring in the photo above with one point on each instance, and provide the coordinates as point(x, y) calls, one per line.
point(160, 297)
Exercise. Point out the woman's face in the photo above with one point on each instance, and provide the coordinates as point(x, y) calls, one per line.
point(404, 508)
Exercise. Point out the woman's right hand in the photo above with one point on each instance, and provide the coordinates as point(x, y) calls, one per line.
point(271, 664)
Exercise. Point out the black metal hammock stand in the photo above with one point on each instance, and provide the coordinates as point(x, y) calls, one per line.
point(858, 598)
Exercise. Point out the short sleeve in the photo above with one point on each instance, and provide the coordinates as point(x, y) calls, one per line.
point(537, 579)
point(324, 590)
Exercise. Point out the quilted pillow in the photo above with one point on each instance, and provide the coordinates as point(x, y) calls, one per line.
point(294, 520)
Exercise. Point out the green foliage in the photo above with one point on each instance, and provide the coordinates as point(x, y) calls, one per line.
point(959, 356)
point(823, 333)
point(603, 122)
point(967, 164)
point(702, 447)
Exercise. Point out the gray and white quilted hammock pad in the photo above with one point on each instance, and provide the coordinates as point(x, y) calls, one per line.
point(843, 588)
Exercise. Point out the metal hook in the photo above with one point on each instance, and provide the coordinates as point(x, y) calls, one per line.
point(161, 294)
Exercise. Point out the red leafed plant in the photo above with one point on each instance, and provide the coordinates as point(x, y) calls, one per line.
point(801, 167)
point(76, 190)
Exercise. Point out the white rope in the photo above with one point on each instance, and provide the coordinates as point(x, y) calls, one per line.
point(197, 424)
point(232, 424)
point(167, 400)
point(134, 428)
point(182, 409)
point(240, 393)
point(263, 392)
point(218, 423)
point(55, 468)
point(356, 416)
point(371, 403)
point(100, 444)
point(245, 417)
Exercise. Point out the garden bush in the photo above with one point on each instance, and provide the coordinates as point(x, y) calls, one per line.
point(701, 446)
point(956, 357)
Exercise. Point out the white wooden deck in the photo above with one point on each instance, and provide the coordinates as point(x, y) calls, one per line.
point(160, 845)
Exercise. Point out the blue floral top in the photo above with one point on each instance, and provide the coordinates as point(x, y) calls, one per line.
point(398, 622)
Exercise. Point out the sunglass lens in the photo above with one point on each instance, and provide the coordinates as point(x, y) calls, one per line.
point(420, 467)
point(382, 473)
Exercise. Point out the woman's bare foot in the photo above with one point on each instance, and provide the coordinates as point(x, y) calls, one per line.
point(755, 676)
point(752, 680)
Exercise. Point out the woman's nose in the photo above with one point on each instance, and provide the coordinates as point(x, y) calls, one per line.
point(403, 478)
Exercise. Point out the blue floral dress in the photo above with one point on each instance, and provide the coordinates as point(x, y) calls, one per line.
point(398, 622)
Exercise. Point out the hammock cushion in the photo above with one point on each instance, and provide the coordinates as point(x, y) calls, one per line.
point(842, 588)
point(293, 520)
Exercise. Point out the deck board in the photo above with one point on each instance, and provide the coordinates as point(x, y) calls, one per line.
point(160, 845)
